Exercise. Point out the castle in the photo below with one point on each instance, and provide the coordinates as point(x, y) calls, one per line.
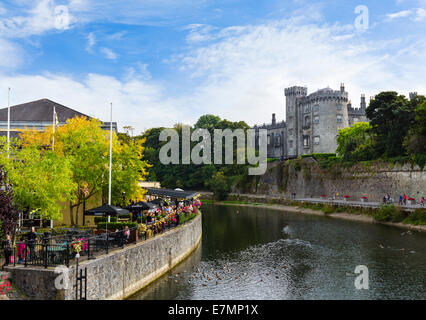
point(312, 122)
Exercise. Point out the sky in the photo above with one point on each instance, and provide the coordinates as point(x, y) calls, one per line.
point(162, 62)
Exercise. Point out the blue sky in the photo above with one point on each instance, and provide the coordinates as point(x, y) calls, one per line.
point(161, 61)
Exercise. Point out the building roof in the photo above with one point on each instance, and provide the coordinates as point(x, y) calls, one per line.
point(40, 110)
point(170, 193)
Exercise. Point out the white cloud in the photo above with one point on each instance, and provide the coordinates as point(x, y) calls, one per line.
point(91, 41)
point(416, 14)
point(240, 75)
point(11, 56)
point(109, 54)
point(420, 14)
point(43, 16)
point(138, 103)
point(243, 74)
point(400, 14)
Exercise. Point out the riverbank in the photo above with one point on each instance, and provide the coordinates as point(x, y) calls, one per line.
point(341, 215)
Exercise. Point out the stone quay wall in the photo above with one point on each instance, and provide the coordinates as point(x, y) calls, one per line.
point(308, 179)
point(117, 275)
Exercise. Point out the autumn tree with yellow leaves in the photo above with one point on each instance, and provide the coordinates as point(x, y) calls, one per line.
point(85, 146)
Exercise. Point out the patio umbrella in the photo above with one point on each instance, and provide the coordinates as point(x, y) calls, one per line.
point(141, 206)
point(158, 201)
point(108, 210)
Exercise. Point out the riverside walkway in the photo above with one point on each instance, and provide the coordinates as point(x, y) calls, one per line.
point(331, 201)
point(369, 204)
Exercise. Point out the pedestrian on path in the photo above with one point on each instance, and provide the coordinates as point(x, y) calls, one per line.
point(7, 249)
point(422, 201)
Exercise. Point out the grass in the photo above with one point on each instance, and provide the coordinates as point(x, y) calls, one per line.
point(417, 218)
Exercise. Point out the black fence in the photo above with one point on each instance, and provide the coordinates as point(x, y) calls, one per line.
point(50, 251)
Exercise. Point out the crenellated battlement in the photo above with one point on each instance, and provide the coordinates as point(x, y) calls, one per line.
point(296, 91)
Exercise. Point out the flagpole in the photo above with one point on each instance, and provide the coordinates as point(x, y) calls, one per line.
point(54, 123)
point(8, 122)
point(110, 163)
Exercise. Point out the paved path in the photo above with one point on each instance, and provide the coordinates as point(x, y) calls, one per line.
point(370, 204)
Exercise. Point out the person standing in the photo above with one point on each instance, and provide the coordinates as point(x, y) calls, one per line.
point(7, 249)
point(31, 241)
point(400, 199)
point(422, 201)
point(405, 199)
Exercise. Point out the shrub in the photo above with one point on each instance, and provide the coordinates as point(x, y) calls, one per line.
point(418, 217)
point(105, 219)
point(112, 226)
point(327, 209)
point(324, 156)
point(386, 213)
point(144, 218)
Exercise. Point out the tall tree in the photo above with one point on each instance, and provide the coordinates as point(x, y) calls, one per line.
point(8, 210)
point(356, 143)
point(391, 116)
point(84, 144)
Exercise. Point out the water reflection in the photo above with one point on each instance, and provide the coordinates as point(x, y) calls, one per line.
point(255, 253)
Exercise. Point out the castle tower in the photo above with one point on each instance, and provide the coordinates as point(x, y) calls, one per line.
point(293, 114)
point(363, 103)
point(412, 95)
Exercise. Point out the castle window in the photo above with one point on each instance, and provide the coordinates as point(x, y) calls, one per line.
point(307, 109)
point(269, 139)
point(290, 144)
point(316, 119)
point(317, 140)
point(339, 107)
point(307, 121)
point(316, 108)
point(278, 139)
point(290, 132)
point(306, 141)
point(339, 118)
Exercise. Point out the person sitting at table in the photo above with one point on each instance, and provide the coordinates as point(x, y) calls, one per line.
point(126, 234)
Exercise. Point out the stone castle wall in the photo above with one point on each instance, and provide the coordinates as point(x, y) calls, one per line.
point(308, 179)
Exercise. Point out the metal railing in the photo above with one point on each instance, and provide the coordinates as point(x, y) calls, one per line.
point(50, 251)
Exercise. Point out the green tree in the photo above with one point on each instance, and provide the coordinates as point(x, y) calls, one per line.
point(207, 121)
point(356, 143)
point(220, 186)
point(415, 141)
point(391, 115)
point(38, 179)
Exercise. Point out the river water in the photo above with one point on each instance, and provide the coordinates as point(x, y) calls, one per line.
point(258, 253)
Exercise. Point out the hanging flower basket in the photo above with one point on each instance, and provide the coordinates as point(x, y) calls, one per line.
point(364, 199)
point(323, 196)
point(346, 198)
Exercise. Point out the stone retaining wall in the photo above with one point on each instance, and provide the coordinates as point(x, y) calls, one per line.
point(118, 274)
point(308, 179)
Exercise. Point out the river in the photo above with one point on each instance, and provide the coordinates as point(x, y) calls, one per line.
point(258, 253)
